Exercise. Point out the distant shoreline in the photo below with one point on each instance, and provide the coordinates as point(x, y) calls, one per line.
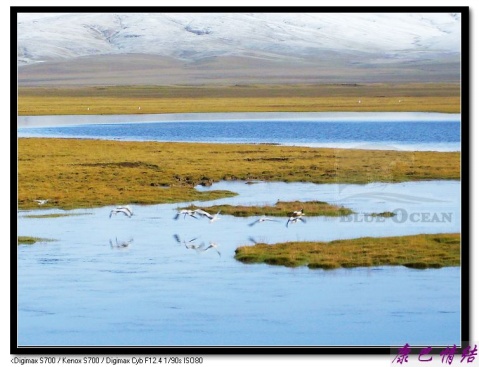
point(238, 98)
point(68, 120)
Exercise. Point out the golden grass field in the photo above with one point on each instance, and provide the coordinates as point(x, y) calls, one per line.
point(421, 97)
point(418, 251)
point(74, 173)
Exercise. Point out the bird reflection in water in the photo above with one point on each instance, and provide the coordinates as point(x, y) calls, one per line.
point(120, 243)
point(191, 245)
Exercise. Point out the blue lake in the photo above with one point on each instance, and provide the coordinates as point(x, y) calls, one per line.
point(85, 288)
point(439, 132)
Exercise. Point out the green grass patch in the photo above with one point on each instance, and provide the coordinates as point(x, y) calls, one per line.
point(26, 240)
point(280, 209)
point(383, 214)
point(56, 215)
point(417, 251)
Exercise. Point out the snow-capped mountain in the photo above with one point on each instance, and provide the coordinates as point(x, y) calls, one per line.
point(381, 38)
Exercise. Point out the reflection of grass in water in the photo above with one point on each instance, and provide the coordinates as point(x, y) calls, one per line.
point(418, 251)
point(92, 173)
point(26, 240)
point(57, 215)
point(280, 209)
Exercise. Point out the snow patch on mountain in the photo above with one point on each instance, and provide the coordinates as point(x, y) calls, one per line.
point(194, 36)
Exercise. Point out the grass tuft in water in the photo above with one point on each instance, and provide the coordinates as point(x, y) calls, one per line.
point(26, 240)
point(280, 209)
point(418, 252)
point(383, 214)
point(55, 215)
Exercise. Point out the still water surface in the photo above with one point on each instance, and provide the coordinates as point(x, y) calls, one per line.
point(81, 290)
point(392, 131)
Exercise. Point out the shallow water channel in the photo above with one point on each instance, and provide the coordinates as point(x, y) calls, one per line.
point(83, 289)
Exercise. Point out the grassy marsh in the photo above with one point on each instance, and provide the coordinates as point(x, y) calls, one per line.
point(75, 173)
point(55, 215)
point(280, 209)
point(383, 214)
point(27, 240)
point(372, 97)
point(418, 251)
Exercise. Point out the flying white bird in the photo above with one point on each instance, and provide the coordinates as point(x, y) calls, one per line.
point(122, 209)
point(185, 212)
point(262, 219)
point(215, 217)
point(212, 246)
point(294, 220)
point(295, 216)
point(42, 202)
point(202, 213)
point(297, 213)
point(212, 218)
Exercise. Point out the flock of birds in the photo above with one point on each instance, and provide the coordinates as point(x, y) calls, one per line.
point(126, 210)
point(293, 217)
point(200, 212)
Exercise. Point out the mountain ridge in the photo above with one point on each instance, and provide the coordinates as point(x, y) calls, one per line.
point(195, 36)
point(156, 48)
